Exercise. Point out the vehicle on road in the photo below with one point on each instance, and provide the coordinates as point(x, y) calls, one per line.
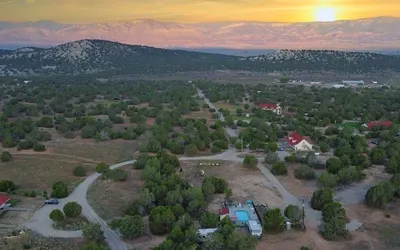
point(281, 149)
point(51, 202)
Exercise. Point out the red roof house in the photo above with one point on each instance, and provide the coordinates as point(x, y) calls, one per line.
point(386, 124)
point(223, 211)
point(267, 106)
point(298, 142)
point(270, 106)
point(3, 200)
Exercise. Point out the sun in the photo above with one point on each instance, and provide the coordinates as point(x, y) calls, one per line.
point(325, 14)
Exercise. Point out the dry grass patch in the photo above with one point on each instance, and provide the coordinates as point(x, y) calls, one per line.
point(109, 198)
point(110, 152)
point(39, 173)
point(246, 183)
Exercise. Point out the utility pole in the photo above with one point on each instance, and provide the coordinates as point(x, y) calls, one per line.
point(303, 215)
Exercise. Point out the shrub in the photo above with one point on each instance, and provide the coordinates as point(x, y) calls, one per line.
point(161, 220)
point(32, 194)
point(250, 160)
point(7, 186)
point(80, 171)
point(320, 198)
point(117, 175)
point(92, 231)
point(271, 158)
point(132, 227)
point(60, 190)
point(279, 169)
point(215, 150)
point(102, 168)
point(273, 220)
point(39, 147)
point(57, 215)
point(191, 150)
point(72, 209)
point(5, 156)
point(304, 172)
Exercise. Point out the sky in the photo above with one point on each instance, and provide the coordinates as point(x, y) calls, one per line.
point(89, 11)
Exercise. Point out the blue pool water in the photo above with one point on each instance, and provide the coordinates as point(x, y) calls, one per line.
point(242, 215)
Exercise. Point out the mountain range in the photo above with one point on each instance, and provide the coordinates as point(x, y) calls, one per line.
point(379, 33)
point(112, 58)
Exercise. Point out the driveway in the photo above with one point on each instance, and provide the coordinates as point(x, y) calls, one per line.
point(41, 223)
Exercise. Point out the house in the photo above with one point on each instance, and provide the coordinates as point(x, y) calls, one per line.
point(371, 125)
point(3, 201)
point(298, 142)
point(272, 107)
point(242, 215)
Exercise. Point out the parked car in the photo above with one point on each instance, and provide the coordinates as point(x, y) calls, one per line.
point(281, 149)
point(51, 201)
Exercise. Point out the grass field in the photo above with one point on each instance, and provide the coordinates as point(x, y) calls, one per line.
point(39, 173)
point(109, 198)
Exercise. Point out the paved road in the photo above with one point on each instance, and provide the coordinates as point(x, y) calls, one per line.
point(41, 223)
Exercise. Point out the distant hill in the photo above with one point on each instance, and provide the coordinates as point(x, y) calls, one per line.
point(381, 33)
point(112, 58)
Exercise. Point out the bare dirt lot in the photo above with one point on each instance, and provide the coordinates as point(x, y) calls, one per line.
point(108, 198)
point(30, 240)
point(245, 183)
point(10, 220)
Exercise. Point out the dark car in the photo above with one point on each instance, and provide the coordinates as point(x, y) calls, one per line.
point(51, 201)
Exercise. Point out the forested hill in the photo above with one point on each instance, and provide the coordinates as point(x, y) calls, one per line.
point(97, 56)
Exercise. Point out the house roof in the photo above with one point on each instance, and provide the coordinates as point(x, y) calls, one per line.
point(379, 123)
point(223, 211)
point(295, 138)
point(267, 105)
point(3, 199)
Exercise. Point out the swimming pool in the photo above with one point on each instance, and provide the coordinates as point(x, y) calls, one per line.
point(242, 215)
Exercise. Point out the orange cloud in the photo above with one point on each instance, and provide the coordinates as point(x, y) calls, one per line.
point(82, 11)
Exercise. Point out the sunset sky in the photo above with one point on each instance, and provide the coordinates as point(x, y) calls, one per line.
point(86, 11)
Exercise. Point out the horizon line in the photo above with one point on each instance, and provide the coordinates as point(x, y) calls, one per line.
point(230, 21)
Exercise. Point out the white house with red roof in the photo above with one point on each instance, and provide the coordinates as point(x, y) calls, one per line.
point(271, 107)
point(3, 201)
point(299, 142)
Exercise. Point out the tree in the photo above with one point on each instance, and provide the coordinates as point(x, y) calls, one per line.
point(294, 213)
point(380, 194)
point(311, 159)
point(378, 156)
point(320, 198)
point(333, 210)
point(273, 220)
point(395, 181)
point(324, 147)
point(93, 246)
point(327, 180)
point(334, 228)
point(132, 227)
point(92, 231)
point(254, 145)
point(250, 161)
point(333, 165)
point(305, 172)
point(209, 220)
point(7, 186)
point(279, 168)
point(239, 112)
point(271, 158)
point(102, 168)
point(60, 190)
point(208, 189)
point(272, 146)
point(80, 171)
point(349, 175)
point(191, 150)
point(161, 220)
point(72, 209)
point(393, 165)
point(57, 216)
point(146, 200)
point(5, 156)
point(39, 147)
point(246, 106)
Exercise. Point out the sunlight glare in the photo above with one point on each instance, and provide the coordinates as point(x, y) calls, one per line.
point(325, 14)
